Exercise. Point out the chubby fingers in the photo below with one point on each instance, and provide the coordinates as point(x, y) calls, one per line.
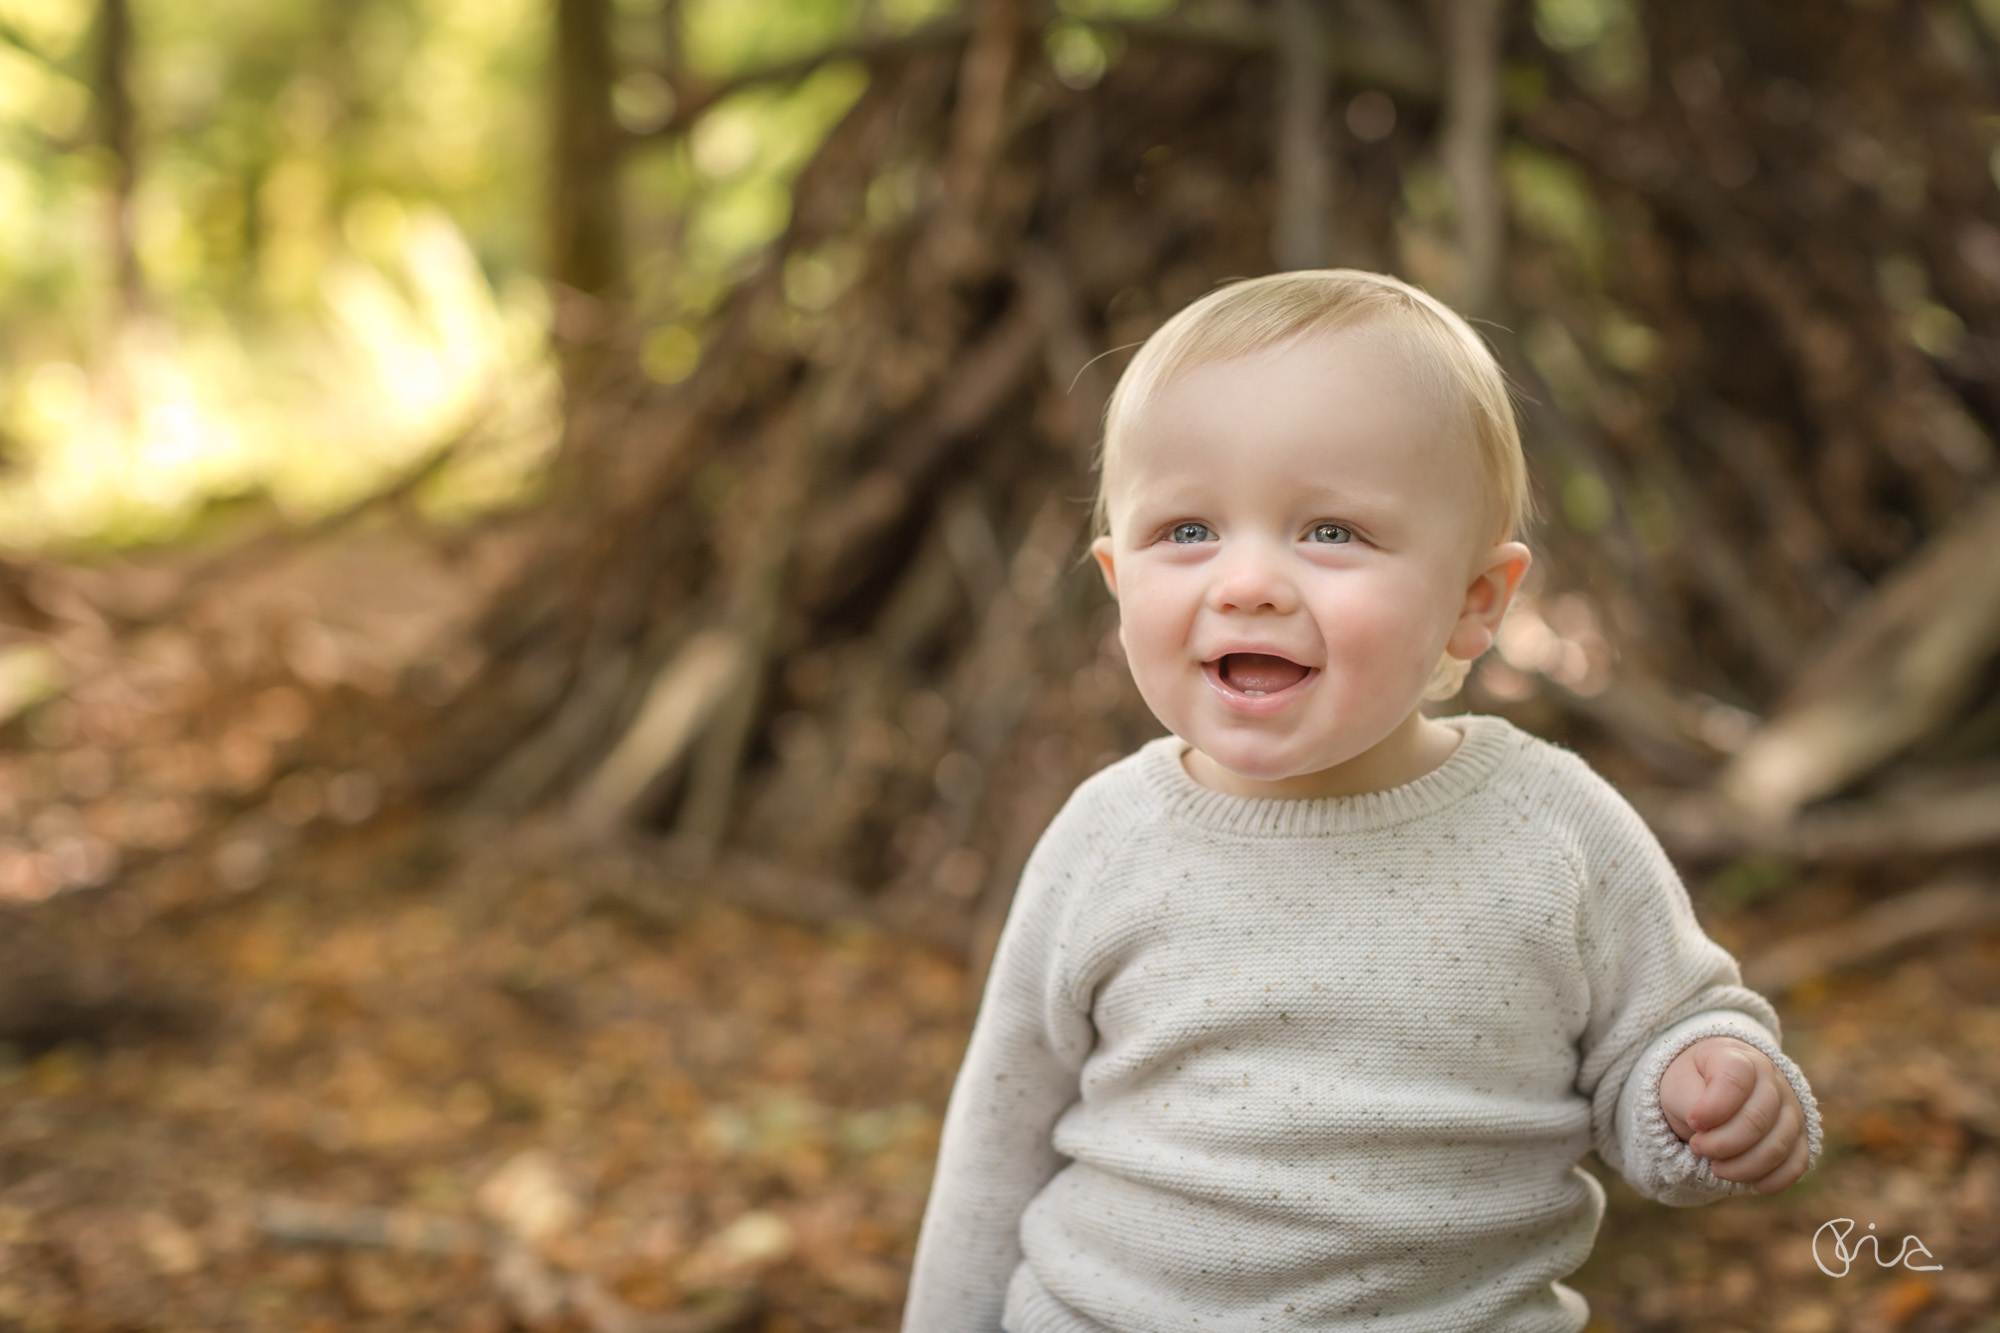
point(1763, 1145)
point(1731, 1072)
point(1788, 1172)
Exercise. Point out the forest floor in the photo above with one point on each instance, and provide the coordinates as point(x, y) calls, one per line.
point(352, 1081)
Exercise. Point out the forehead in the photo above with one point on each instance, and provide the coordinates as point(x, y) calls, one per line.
point(1365, 405)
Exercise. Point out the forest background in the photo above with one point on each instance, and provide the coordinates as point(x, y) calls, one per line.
point(540, 604)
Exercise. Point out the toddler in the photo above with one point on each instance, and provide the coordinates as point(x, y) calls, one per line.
point(1305, 1013)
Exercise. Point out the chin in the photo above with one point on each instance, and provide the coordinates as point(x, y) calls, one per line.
point(1257, 769)
point(1255, 763)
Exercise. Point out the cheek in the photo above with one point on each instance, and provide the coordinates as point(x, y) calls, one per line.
point(1388, 624)
point(1153, 626)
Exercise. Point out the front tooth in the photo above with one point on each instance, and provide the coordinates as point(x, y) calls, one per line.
point(1253, 691)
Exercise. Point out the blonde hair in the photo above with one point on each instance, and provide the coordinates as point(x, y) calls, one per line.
point(1258, 313)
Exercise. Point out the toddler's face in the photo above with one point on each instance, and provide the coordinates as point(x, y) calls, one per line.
point(1292, 538)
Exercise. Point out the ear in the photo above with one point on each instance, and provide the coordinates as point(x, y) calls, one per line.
point(1101, 548)
point(1492, 587)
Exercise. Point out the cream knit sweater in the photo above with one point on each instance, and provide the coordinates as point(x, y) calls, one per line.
point(1323, 1064)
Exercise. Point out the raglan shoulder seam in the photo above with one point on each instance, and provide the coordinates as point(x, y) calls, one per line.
point(1098, 801)
point(1534, 756)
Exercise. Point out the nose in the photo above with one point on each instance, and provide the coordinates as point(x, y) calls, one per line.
point(1251, 577)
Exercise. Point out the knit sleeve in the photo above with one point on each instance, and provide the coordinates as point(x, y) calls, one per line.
point(1657, 985)
point(1020, 1072)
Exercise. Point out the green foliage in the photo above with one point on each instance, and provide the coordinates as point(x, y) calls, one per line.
point(725, 37)
point(339, 222)
point(1551, 198)
point(1115, 9)
point(745, 155)
point(1603, 44)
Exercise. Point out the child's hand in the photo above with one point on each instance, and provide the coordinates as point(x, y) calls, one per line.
point(1730, 1104)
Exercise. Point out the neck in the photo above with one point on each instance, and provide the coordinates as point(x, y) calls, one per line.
point(1416, 747)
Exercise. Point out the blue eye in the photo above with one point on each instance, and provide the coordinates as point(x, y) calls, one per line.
point(1331, 532)
point(1189, 532)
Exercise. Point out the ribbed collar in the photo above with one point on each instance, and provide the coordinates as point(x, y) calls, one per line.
point(1487, 742)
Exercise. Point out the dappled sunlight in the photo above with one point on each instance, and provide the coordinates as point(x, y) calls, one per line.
point(1562, 640)
point(409, 356)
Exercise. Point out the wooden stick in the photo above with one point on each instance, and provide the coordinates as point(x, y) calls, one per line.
point(1938, 909)
point(679, 700)
point(755, 592)
point(973, 547)
point(1074, 370)
point(992, 688)
point(763, 561)
point(1902, 664)
point(536, 1292)
point(1368, 59)
point(526, 772)
point(979, 113)
point(1717, 565)
point(303, 1222)
point(1361, 56)
point(1701, 826)
point(1746, 450)
point(985, 376)
point(693, 101)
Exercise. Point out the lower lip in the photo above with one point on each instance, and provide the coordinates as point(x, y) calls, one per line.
point(1256, 705)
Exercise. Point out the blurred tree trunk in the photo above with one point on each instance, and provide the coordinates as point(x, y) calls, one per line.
point(586, 217)
point(673, 36)
point(1301, 231)
point(334, 61)
point(117, 126)
point(1469, 33)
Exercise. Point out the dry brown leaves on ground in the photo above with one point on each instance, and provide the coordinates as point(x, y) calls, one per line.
point(390, 1093)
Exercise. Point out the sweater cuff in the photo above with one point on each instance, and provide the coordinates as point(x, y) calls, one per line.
point(1660, 1165)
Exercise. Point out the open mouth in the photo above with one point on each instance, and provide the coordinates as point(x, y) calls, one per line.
point(1258, 674)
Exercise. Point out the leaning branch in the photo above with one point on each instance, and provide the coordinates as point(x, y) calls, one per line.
point(1361, 56)
point(694, 100)
point(14, 37)
point(1365, 59)
point(1900, 666)
point(1950, 906)
point(537, 1292)
point(1703, 827)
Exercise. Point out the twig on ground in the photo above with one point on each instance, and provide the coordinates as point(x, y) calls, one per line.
point(1956, 904)
point(536, 1292)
